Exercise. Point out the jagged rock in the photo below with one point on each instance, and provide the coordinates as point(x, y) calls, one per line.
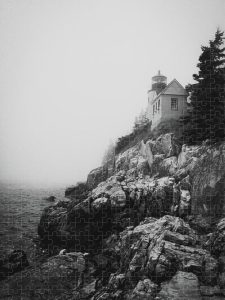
point(168, 166)
point(117, 281)
point(185, 183)
point(50, 198)
point(210, 270)
point(96, 176)
point(143, 166)
point(212, 292)
point(216, 242)
point(185, 203)
point(106, 188)
point(14, 262)
point(208, 180)
point(118, 199)
point(166, 144)
point(183, 286)
point(148, 153)
point(161, 247)
point(56, 278)
point(149, 181)
point(182, 198)
point(188, 155)
point(157, 165)
point(200, 223)
point(120, 176)
point(127, 160)
point(177, 238)
point(144, 290)
point(109, 190)
point(100, 202)
point(87, 291)
point(221, 280)
point(221, 277)
point(51, 226)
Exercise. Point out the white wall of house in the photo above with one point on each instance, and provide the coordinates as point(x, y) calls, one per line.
point(161, 109)
point(164, 111)
point(168, 112)
point(156, 111)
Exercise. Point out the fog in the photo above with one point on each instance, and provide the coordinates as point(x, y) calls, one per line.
point(74, 74)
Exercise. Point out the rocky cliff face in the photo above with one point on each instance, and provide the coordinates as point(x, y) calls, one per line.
point(152, 223)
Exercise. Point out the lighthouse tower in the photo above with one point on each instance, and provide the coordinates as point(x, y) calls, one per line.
point(159, 82)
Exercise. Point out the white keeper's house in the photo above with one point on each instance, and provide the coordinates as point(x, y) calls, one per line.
point(166, 101)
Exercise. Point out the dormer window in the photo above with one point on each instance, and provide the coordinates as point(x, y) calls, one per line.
point(174, 104)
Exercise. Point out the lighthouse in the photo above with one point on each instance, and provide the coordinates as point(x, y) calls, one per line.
point(166, 101)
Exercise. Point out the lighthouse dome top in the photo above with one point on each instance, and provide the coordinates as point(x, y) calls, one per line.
point(159, 78)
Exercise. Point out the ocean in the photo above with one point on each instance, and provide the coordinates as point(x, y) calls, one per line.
point(20, 210)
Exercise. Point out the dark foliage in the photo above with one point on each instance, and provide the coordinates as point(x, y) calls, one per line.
point(79, 191)
point(139, 133)
point(206, 118)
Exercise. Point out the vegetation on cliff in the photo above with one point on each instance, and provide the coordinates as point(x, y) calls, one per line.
point(206, 119)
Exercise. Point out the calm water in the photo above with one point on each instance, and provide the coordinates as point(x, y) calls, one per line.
point(20, 211)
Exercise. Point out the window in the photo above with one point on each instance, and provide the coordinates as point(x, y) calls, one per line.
point(158, 104)
point(174, 104)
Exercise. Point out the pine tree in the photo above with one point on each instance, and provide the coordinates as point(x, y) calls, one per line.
point(206, 119)
point(141, 120)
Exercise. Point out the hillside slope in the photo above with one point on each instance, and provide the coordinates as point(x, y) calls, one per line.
point(149, 225)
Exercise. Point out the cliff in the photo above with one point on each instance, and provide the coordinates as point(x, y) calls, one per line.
point(148, 225)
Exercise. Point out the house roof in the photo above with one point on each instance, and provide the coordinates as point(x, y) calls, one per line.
point(163, 92)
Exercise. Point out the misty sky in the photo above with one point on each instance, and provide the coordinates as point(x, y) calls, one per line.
point(74, 74)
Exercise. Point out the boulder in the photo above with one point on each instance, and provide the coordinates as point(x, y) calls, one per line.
point(127, 159)
point(117, 281)
point(183, 286)
point(166, 144)
point(207, 178)
point(210, 270)
point(50, 198)
point(143, 166)
point(148, 153)
point(212, 292)
point(168, 166)
point(188, 155)
point(14, 262)
point(144, 290)
point(159, 248)
point(56, 278)
point(201, 224)
point(100, 202)
point(96, 176)
point(185, 203)
point(221, 279)
point(216, 241)
point(51, 227)
point(118, 199)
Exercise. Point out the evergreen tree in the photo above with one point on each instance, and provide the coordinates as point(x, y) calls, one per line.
point(141, 121)
point(206, 119)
